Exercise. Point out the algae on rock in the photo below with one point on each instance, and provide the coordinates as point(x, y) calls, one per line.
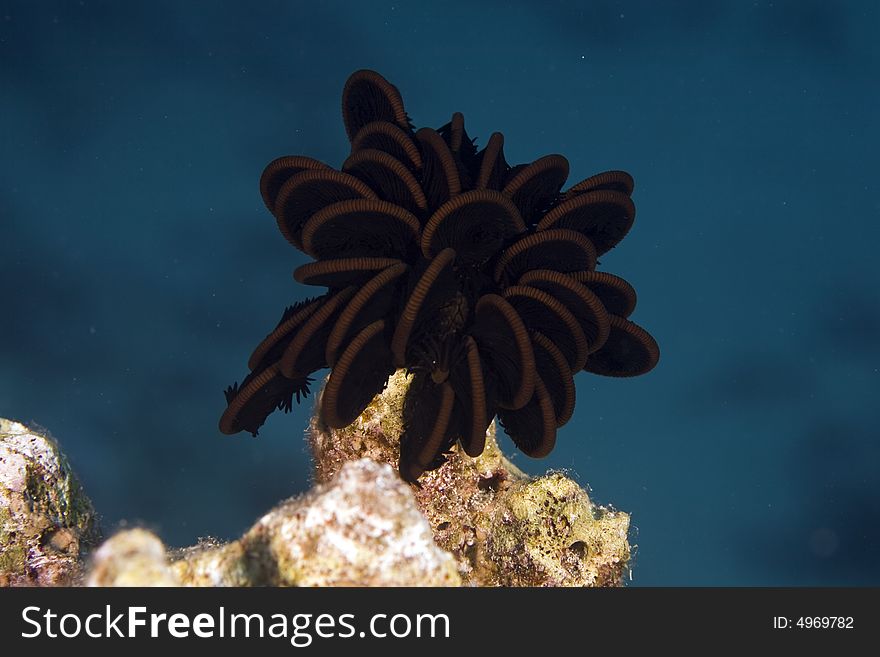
point(46, 520)
point(503, 527)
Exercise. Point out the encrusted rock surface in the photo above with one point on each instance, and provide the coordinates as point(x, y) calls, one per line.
point(474, 521)
point(503, 527)
point(546, 532)
point(46, 521)
point(361, 529)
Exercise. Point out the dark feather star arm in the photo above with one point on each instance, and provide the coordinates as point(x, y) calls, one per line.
point(477, 276)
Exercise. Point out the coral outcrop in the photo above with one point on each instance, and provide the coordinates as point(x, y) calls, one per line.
point(361, 529)
point(503, 527)
point(46, 520)
point(473, 521)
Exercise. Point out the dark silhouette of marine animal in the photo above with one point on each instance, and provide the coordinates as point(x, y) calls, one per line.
point(477, 276)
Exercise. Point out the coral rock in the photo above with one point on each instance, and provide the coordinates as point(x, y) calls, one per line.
point(134, 557)
point(362, 529)
point(46, 521)
point(545, 532)
point(503, 527)
point(473, 521)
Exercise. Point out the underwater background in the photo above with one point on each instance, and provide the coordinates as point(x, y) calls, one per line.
point(139, 266)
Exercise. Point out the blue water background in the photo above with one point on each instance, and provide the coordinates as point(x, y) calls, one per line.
point(139, 267)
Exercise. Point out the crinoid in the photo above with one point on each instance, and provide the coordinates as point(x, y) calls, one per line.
point(476, 276)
